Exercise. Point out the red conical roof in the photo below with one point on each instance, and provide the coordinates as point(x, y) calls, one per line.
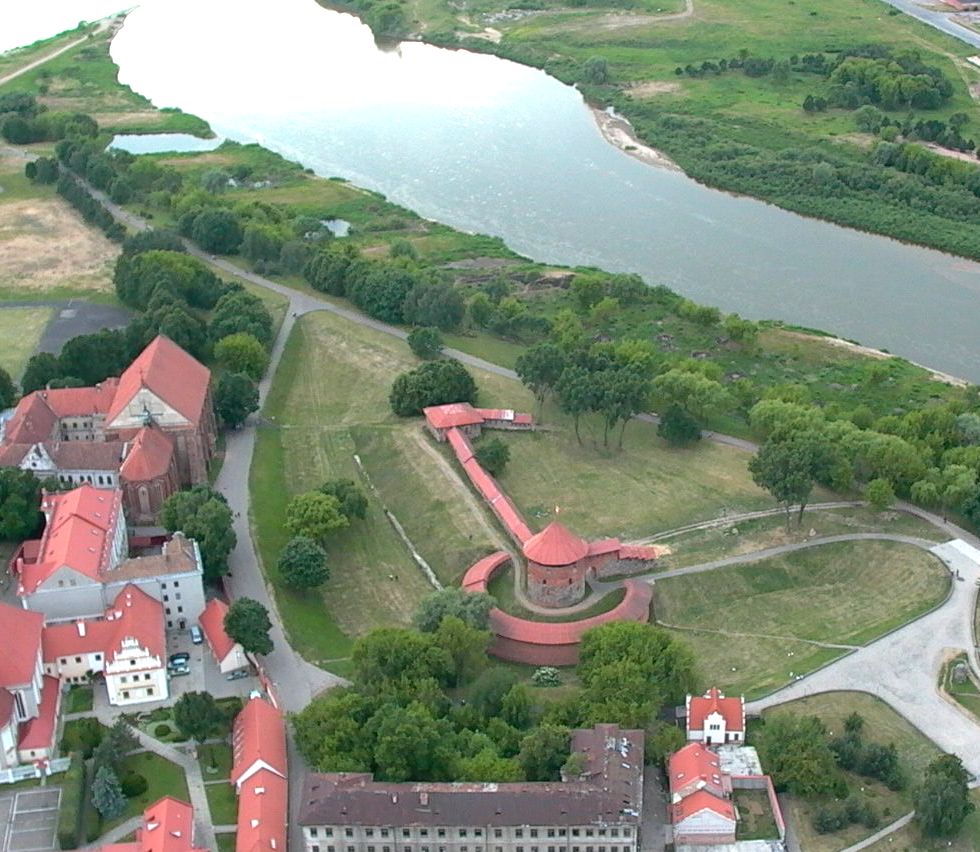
point(555, 545)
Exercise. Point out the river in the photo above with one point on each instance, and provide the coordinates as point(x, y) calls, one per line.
point(491, 146)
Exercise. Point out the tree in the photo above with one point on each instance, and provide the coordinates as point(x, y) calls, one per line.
point(544, 752)
point(198, 716)
point(486, 693)
point(247, 623)
point(595, 70)
point(880, 494)
point(303, 563)
point(425, 342)
point(678, 428)
point(202, 513)
point(493, 454)
point(432, 383)
point(943, 800)
point(539, 369)
point(392, 654)
point(785, 470)
point(94, 357)
point(490, 767)
point(139, 275)
point(466, 647)
point(439, 305)
point(353, 502)
point(242, 353)
point(576, 394)
point(314, 515)
point(698, 395)
point(107, 794)
point(473, 609)
point(20, 501)
point(8, 390)
point(235, 397)
point(40, 370)
point(412, 745)
point(327, 269)
point(113, 747)
point(796, 754)
point(238, 311)
point(217, 231)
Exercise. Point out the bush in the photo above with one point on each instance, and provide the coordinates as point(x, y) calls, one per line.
point(72, 796)
point(83, 736)
point(425, 342)
point(433, 383)
point(133, 785)
point(546, 676)
point(161, 731)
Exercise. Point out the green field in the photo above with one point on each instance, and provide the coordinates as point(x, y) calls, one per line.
point(20, 332)
point(329, 402)
point(767, 613)
point(882, 725)
point(222, 802)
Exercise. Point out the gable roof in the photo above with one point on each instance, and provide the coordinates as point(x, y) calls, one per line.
point(78, 533)
point(33, 420)
point(39, 732)
point(168, 826)
point(212, 622)
point(21, 631)
point(555, 545)
point(178, 378)
point(453, 414)
point(262, 810)
point(133, 615)
point(258, 739)
point(732, 710)
point(702, 800)
point(150, 456)
point(694, 764)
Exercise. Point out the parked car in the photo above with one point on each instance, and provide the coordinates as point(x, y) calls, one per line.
point(182, 657)
point(178, 668)
point(237, 674)
point(197, 637)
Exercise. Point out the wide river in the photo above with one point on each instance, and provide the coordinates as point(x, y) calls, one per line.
point(494, 147)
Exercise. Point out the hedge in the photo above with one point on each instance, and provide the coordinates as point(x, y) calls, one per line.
point(72, 798)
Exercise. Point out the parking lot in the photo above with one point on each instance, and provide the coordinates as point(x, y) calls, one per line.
point(204, 675)
point(29, 819)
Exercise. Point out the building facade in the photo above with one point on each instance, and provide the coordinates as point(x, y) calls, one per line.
point(600, 810)
point(713, 719)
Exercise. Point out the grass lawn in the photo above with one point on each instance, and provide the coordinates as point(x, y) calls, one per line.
point(79, 699)
point(165, 779)
point(910, 840)
point(160, 725)
point(967, 693)
point(20, 331)
point(223, 803)
point(215, 760)
point(882, 725)
point(329, 402)
point(755, 818)
point(226, 842)
point(828, 594)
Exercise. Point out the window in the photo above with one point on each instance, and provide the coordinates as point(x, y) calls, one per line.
point(384, 832)
point(176, 584)
point(423, 832)
point(177, 596)
point(350, 849)
point(534, 832)
point(441, 832)
point(385, 849)
point(327, 832)
point(150, 691)
point(180, 609)
point(314, 848)
point(462, 832)
point(331, 849)
point(348, 832)
point(589, 833)
point(562, 832)
point(576, 832)
point(478, 832)
point(551, 832)
point(519, 832)
point(122, 679)
point(146, 676)
point(406, 833)
point(166, 598)
point(168, 610)
point(370, 849)
point(627, 832)
point(98, 657)
point(125, 694)
point(369, 832)
point(132, 662)
point(498, 832)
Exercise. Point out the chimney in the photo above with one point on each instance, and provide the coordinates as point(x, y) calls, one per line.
point(424, 799)
point(81, 628)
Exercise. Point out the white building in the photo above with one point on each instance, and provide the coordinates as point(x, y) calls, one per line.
point(713, 719)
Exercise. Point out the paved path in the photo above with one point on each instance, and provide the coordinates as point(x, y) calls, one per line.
point(13, 75)
point(891, 828)
point(941, 21)
point(902, 668)
point(116, 834)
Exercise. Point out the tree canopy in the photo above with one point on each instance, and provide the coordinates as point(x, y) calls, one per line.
point(198, 716)
point(314, 515)
point(235, 397)
point(303, 563)
point(432, 383)
point(247, 623)
point(202, 513)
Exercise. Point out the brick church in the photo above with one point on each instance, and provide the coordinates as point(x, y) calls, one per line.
point(149, 432)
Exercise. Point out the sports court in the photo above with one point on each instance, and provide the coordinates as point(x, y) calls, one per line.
point(29, 819)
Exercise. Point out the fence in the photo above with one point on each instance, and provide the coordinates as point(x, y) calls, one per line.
point(763, 782)
point(34, 770)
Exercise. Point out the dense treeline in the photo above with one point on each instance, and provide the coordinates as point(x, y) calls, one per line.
point(398, 720)
point(23, 121)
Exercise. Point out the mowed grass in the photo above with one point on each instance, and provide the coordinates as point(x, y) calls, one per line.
point(20, 332)
point(829, 593)
point(909, 839)
point(742, 620)
point(645, 488)
point(881, 725)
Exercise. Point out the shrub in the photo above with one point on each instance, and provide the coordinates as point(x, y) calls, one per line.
point(133, 784)
point(161, 731)
point(546, 676)
point(72, 796)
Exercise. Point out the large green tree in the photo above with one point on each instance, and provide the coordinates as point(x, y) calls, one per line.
point(242, 352)
point(432, 383)
point(303, 563)
point(20, 504)
point(8, 390)
point(235, 397)
point(314, 515)
point(544, 752)
point(353, 502)
point(107, 794)
point(943, 799)
point(240, 311)
point(202, 513)
point(471, 609)
point(198, 716)
point(217, 230)
point(796, 753)
point(247, 623)
point(540, 368)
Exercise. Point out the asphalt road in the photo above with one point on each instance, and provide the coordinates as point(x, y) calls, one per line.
point(938, 20)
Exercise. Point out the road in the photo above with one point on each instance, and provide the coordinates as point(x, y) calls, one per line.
point(13, 75)
point(937, 20)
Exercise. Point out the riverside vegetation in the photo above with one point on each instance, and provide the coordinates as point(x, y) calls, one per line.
point(824, 109)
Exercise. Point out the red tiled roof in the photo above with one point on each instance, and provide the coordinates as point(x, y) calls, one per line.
point(258, 739)
point(702, 800)
point(603, 546)
point(12, 455)
point(212, 622)
point(635, 606)
point(461, 445)
point(21, 631)
point(168, 826)
point(694, 764)
point(454, 414)
point(555, 545)
point(133, 615)
point(169, 372)
point(262, 810)
point(38, 733)
point(78, 533)
point(81, 402)
point(479, 573)
point(150, 456)
point(506, 415)
point(32, 421)
point(732, 710)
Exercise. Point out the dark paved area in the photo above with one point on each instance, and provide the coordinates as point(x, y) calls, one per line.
point(72, 318)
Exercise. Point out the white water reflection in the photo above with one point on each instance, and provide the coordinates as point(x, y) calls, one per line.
point(491, 146)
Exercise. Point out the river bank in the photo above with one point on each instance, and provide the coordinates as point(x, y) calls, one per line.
point(618, 132)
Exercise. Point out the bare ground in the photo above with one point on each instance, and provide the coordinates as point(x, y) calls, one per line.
point(44, 245)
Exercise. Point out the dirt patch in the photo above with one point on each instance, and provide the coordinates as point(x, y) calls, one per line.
point(617, 131)
point(43, 245)
point(129, 117)
point(952, 153)
point(652, 88)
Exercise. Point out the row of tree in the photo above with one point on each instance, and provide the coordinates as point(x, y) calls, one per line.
point(399, 721)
